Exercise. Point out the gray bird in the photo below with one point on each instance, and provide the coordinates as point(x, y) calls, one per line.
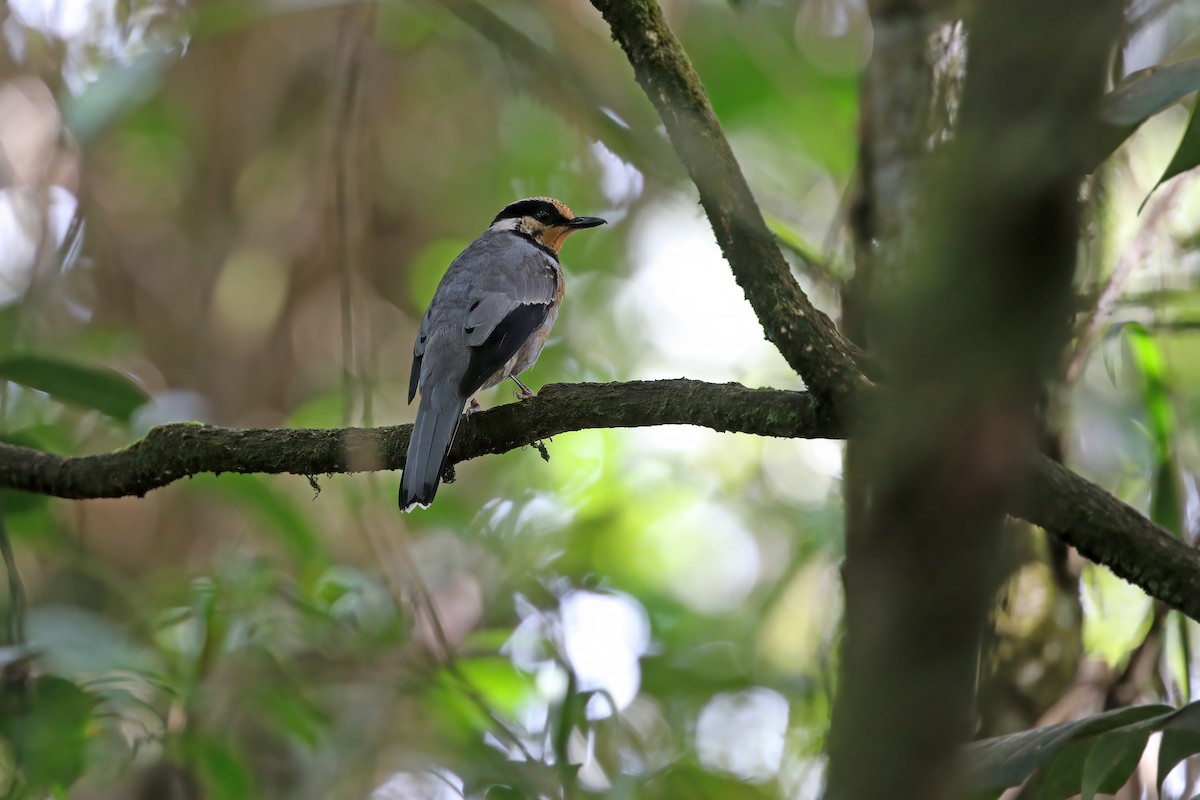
point(487, 322)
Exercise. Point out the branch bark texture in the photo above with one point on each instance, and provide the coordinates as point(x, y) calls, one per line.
point(1109, 532)
point(171, 452)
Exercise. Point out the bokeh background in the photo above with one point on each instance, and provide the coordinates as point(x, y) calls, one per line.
point(243, 207)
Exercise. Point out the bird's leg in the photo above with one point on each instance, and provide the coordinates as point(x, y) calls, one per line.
point(525, 392)
point(472, 407)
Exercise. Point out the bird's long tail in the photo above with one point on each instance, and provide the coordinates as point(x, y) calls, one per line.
point(433, 433)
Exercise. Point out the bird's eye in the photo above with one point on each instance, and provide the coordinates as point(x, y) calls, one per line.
point(542, 215)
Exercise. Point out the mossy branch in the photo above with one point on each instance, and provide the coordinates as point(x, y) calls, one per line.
point(171, 452)
point(1075, 510)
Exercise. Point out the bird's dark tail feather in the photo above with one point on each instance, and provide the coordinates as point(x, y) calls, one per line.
point(433, 433)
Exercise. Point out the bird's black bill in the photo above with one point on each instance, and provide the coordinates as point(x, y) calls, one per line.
point(585, 222)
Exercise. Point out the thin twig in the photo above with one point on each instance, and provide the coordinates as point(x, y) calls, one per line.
point(357, 25)
point(1132, 257)
point(448, 659)
point(396, 547)
point(575, 93)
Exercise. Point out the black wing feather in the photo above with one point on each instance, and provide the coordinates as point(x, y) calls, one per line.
point(503, 343)
point(415, 377)
point(419, 353)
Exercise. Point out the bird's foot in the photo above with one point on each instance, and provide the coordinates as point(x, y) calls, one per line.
point(525, 392)
point(472, 407)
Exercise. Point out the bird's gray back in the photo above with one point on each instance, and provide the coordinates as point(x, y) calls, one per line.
point(501, 262)
point(498, 272)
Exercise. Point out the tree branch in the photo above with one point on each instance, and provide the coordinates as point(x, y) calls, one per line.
point(575, 93)
point(1109, 532)
point(949, 447)
point(1077, 511)
point(805, 336)
point(171, 452)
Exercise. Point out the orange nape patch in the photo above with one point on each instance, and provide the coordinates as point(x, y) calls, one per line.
point(558, 204)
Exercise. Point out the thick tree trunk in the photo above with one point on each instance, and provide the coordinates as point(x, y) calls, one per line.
point(968, 331)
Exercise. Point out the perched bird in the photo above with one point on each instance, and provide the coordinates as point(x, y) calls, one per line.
point(487, 322)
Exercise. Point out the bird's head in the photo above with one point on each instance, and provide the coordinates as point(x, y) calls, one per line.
point(545, 220)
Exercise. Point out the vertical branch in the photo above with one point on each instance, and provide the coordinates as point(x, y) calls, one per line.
point(894, 115)
point(356, 28)
point(17, 601)
point(973, 324)
point(893, 135)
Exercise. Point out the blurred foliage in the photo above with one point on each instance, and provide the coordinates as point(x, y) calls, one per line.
point(1096, 755)
point(235, 212)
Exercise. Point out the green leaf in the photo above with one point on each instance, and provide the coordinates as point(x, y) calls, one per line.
point(1112, 760)
point(996, 764)
point(1175, 747)
point(685, 780)
point(1180, 739)
point(486, 640)
point(98, 388)
point(502, 792)
point(794, 241)
point(505, 688)
point(78, 642)
point(1187, 155)
point(1061, 777)
point(1151, 362)
point(572, 712)
point(1147, 92)
point(1181, 662)
point(1166, 502)
point(46, 722)
point(1166, 505)
point(225, 775)
point(294, 714)
point(1097, 754)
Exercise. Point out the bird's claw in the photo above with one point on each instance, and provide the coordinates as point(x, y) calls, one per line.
point(524, 392)
point(472, 407)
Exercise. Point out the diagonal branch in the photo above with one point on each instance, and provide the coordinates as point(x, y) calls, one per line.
point(573, 92)
point(1107, 531)
point(804, 335)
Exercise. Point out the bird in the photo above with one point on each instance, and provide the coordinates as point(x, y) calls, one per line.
point(488, 321)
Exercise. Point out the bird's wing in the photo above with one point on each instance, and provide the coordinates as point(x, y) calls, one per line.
point(505, 306)
point(419, 353)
